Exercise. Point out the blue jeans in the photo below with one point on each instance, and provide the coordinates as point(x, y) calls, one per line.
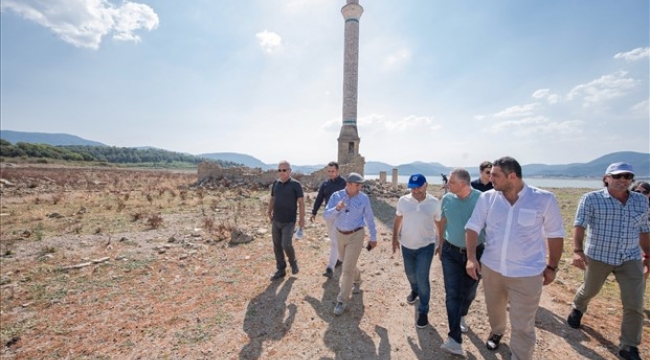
point(417, 264)
point(460, 288)
point(282, 234)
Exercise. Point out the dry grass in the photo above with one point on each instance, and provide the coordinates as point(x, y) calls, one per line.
point(172, 289)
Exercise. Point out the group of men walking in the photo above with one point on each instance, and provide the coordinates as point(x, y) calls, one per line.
point(496, 228)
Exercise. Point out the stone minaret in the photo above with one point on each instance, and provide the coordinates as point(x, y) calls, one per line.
point(349, 137)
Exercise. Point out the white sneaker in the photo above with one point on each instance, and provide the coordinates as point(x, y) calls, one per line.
point(339, 308)
point(463, 325)
point(356, 288)
point(453, 347)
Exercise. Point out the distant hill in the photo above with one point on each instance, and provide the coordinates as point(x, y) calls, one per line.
point(595, 168)
point(45, 138)
point(243, 159)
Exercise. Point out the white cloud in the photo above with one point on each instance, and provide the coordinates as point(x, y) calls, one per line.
point(634, 55)
point(377, 122)
point(642, 108)
point(269, 41)
point(546, 94)
point(517, 110)
point(606, 88)
point(397, 59)
point(83, 23)
point(536, 125)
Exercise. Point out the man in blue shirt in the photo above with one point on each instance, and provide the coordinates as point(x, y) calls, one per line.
point(616, 221)
point(350, 209)
point(327, 188)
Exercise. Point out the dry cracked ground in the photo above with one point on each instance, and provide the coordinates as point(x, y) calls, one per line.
point(130, 264)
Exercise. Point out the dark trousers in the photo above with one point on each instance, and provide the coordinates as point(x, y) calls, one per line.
point(283, 243)
point(460, 288)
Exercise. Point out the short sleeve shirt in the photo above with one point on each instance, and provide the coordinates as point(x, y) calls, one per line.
point(418, 220)
point(285, 200)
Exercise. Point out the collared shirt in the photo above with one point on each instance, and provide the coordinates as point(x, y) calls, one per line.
point(352, 216)
point(285, 200)
point(515, 235)
point(478, 185)
point(457, 211)
point(327, 188)
point(418, 226)
point(612, 228)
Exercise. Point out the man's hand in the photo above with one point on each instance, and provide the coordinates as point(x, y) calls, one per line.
point(580, 260)
point(473, 268)
point(549, 276)
point(395, 244)
point(312, 218)
point(301, 222)
point(371, 245)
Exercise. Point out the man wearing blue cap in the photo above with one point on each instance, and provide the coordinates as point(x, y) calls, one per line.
point(618, 242)
point(414, 228)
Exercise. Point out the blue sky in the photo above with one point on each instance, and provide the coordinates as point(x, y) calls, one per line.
point(454, 82)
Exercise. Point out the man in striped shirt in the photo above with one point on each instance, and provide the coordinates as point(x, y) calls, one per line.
point(350, 211)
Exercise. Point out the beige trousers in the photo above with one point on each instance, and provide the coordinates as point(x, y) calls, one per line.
point(349, 250)
point(523, 295)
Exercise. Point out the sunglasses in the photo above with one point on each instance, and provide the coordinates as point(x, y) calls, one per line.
point(487, 172)
point(283, 170)
point(626, 176)
point(644, 192)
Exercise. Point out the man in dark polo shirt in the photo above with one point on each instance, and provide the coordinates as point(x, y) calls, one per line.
point(327, 188)
point(286, 197)
point(483, 182)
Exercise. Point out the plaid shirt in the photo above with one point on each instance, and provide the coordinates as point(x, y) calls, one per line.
point(612, 228)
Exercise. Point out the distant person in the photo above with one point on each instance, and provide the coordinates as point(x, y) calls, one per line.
point(460, 288)
point(642, 187)
point(414, 228)
point(350, 209)
point(516, 218)
point(286, 197)
point(444, 183)
point(326, 189)
point(483, 182)
point(617, 227)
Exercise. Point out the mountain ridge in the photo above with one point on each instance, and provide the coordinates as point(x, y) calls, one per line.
point(594, 168)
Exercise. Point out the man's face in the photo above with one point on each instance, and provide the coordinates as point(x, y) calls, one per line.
point(419, 192)
point(454, 185)
point(485, 174)
point(500, 180)
point(284, 171)
point(353, 188)
point(332, 172)
point(619, 182)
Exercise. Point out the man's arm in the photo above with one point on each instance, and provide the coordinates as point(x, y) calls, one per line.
point(555, 246)
point(473, 268)
point(579, 259)
point(269, 212)
point(440, 226)
point(397, 225)
point(317, 203)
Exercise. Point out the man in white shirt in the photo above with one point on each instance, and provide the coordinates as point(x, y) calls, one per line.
point(415, 220)
point(514, 265)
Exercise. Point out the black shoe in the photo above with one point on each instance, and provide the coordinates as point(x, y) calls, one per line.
point(629, 353)
point(574, 318)
point(423, 321)
point(493, 341)
point(278, 275)
point(294, 268)
point(411, 298)
point(329, 273)
point(338, 263)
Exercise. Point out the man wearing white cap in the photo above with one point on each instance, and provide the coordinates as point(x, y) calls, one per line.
point(350, 210)
point(618, 242)
point(414, 227)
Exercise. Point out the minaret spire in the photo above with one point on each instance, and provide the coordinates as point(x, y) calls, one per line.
point(349, 137)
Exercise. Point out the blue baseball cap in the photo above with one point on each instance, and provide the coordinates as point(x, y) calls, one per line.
point(416, 180)
point(618, 168)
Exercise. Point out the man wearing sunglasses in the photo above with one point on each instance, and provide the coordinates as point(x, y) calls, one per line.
point(286, 197)
point(618, 242)
point(483, 183)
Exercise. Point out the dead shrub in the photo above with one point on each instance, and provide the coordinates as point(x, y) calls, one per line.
point(208, 223)
point(127, 196)
point(155, 221)
point(136, 216)
point(57, 198)
point(183, 195)
point(120, 205)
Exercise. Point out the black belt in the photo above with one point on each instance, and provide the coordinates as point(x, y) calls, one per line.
point(460, 249)
point(349, 232)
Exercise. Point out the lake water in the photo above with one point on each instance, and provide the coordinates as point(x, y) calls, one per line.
point(537, 182)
